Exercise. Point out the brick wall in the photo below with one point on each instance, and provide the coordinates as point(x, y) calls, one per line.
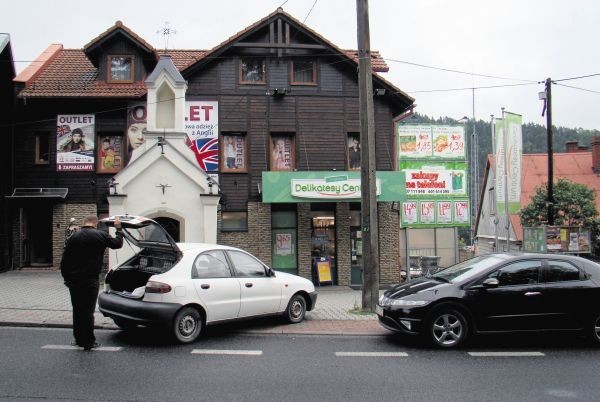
point(389, 240)
point(343, 243)
point(304, 241)
point(61, 215)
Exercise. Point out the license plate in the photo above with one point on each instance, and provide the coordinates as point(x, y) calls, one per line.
point(379, 310)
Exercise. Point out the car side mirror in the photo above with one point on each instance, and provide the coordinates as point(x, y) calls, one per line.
point(490, 283)
point(270, 272)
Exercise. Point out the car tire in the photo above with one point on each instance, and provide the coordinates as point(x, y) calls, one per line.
point(296, 309)
point(447, 328)
point(187, 325)
point(595, 328)
point(124, 324)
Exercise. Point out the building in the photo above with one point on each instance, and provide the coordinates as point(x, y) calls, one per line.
point(577, 164)
point(209, 143)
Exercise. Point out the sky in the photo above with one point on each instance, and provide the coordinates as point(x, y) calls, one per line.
point(512, 46)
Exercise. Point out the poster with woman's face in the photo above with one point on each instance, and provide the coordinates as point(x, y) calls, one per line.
point(136, 127)
point(233, 149)
point(281, 152)
point(110, 153)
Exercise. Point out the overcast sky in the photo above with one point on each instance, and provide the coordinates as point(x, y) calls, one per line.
point(524, 40)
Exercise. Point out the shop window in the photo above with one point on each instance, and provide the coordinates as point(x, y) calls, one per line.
point(234, 221)
point(281, 150)
point(353, 151)
point(252, 71)
point(234, 153)
point(304, 72)
point(120, 69)
point(42, 149)
point(284, 241)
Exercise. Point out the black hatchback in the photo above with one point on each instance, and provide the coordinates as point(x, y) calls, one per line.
point(497, 293)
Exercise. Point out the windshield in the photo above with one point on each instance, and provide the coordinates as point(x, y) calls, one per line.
point(466, 269)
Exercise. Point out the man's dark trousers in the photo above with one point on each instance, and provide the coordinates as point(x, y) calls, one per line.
point(84, 295)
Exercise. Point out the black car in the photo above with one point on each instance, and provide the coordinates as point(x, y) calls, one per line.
point(497, 293)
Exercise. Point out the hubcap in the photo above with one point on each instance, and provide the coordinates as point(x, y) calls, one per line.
point(187, 326)
point(296, 309)
point(447, 329)
point(597, 328)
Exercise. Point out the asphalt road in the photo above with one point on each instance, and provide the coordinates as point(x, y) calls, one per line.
point(38, 364)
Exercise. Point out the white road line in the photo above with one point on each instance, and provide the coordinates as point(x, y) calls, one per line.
point(227, 352)
point(371, 354)
point(506, 354)
point(69, 347)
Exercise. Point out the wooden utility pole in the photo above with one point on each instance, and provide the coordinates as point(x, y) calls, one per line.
point(369, 222)
point(550, 213)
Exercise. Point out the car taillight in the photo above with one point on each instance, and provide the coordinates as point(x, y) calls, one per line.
point(157, 287)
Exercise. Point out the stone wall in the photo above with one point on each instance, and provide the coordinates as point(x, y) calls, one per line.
point(389, 240)
point(304, 241)
point(343, 243)
point(61, 216)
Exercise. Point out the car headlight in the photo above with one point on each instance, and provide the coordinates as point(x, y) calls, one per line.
point(407, 303)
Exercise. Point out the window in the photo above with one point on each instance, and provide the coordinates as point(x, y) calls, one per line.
point(304, 72)
point(120, 69)
point(212, 264)
point(492, 201)
point(282, 152)
point(353, 151)
point(110, 153)
point(252, 71)
point(234, 221)
point(519, 273)
point(234, 153)
point(560, 271)
point(246, 265)
point(283, 240)
point(42, 148)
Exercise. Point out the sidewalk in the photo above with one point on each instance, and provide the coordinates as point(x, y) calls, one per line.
point(39, 298)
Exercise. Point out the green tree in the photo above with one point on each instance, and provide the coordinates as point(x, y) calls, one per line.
point(574, 205)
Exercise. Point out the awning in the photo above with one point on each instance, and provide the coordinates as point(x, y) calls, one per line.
point(43, 192)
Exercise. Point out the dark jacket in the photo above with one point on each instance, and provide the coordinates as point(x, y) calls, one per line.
point(84, 253)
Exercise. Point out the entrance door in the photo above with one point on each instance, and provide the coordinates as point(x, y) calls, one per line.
point(323, 246)
point(170, 225)
point(36, 230)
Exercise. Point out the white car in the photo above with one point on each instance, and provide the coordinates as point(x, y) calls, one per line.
point(186, 286)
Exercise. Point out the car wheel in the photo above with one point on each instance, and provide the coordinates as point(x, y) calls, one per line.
point(447, 328)
point(124, 324)
point(296, 309)
point(187, 325)
point(595, 328)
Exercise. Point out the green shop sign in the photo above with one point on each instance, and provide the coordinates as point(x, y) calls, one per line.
point(328, 186)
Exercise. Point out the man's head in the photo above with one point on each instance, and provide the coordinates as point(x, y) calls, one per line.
point(90, 220)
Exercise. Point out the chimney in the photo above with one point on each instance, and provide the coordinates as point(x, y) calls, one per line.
point(596, 154)
point(572, 146)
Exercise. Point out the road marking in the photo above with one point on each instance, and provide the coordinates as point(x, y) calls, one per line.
point(371, 354)
point(506, 354)
point(227, 352)
point(69, 347)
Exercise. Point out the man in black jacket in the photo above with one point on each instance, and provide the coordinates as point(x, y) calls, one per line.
point(80, 267)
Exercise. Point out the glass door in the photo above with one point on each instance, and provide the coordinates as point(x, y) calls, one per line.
point(323, 247)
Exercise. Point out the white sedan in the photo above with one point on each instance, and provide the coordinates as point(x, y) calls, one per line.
point(186, 286)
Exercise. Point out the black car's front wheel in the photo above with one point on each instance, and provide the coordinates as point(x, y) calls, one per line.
point(187, 325)
point(447, 328)
point(595, 328)
point(296, 309)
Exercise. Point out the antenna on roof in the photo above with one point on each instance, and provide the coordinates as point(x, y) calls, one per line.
point(166, 32)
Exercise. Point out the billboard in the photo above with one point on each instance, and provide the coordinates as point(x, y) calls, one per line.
point(75, 143)
point(202, 134)
point(431, 142)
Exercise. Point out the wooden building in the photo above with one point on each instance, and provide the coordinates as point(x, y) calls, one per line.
point(272, 105)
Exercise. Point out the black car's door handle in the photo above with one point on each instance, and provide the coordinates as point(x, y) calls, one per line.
point(205, 286)
point(533, 293)
point(249, 285)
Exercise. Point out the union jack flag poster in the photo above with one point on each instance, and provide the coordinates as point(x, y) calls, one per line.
point(207, 153)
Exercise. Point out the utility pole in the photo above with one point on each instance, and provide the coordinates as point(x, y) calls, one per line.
point(369, 222)
point(550, 213)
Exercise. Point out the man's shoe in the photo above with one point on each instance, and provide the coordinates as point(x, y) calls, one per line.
point(92, 346)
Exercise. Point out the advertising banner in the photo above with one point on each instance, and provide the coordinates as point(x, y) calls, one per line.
point(431, 142)
point(557, 239)
point(136, 127)
point(75, 143)
point(202, 134)
point(428, 213)
point(328, 185)
point(110, 153)
point(508, 138)
point(435, 179)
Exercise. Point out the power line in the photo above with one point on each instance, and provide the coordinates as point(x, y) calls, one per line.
point(577, 78)
point(471, 88)
point(580, 89)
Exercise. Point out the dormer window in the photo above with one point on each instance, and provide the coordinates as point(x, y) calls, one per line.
point(120, 69)
point(252, 71)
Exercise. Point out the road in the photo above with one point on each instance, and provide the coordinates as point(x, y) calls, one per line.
point(38, 364)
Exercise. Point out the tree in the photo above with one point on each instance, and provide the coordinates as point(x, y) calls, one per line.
point(574, 205)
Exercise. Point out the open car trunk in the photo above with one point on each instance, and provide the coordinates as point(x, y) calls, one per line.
point(157, 253)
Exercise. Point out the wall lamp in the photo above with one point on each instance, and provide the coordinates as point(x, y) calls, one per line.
point(379, 92)
point(278, 92)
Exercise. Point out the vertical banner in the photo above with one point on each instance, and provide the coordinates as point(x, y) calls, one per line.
point(514, 151)
point(202, 134)
point(75, 143)
point(499, 162)
point(136, 127)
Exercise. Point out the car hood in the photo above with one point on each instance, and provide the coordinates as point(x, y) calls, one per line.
point(144, 233)
point(421, 285)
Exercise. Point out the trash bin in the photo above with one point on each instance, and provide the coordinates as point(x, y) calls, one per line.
point(429, 264)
